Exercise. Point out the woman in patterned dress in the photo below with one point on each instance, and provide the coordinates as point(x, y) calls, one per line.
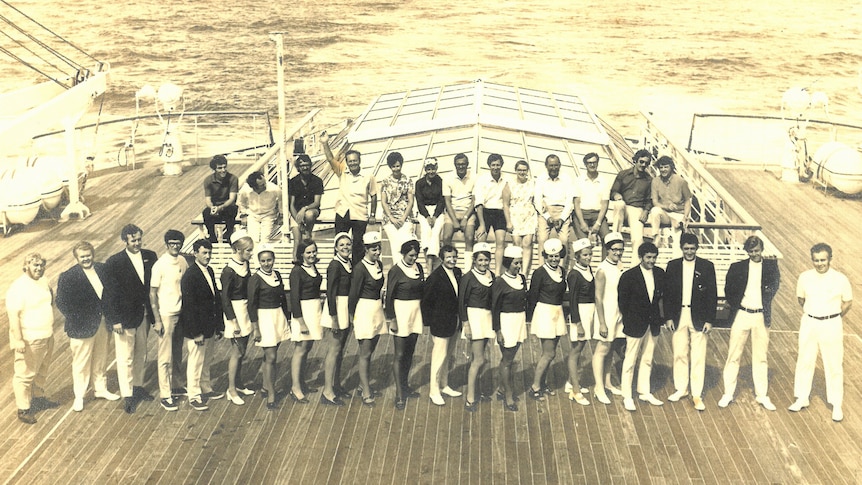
point(397, 204)
point(518, 197)
point(267, 309)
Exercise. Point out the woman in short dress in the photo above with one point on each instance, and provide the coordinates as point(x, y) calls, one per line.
point(267, 309)
point(582, 311)
point(545, 311)
point(237, 325)
point(508, 311)
point(335, 322)
point(404, 286)
point(305, 309)
point(474, 305)
point(518, 197)
point(396, 200)
point(366, 306)
point(610, 323)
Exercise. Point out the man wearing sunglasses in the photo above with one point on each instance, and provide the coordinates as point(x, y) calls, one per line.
point(631, 196)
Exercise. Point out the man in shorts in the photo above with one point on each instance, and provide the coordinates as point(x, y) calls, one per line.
point(460, 204)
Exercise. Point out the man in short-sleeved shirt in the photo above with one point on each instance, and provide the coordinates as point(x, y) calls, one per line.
point(825, 296)
point(630, 196)
point(553, 201)
point(305, 191)
point(355, 191)
point(259, 201)
point(591, 203)
point(220, 192)
point(488, 193)
point(460, 204)
point(671, 200)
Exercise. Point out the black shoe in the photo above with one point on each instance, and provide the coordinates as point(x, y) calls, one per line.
point(303, 400)
point(26, 416)
point(547, 390)
point(179, 391)
point(197, 404)
point(336, 401)
point(141, 394)
point(510, 407)
point(400, 403)
point(169, 404)
point(212, 395)
point(272, 406)
point(129, 405)
point(42, 403)
point(485, 398)
point(309, 390)
point(343, 394)
point(410, 393)
point(470, 407)
point(502, 397)
point(535, 395)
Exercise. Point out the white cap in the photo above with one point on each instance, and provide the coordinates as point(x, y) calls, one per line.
point(552, 246)
point(341, 235)
point(429, 162)
point(613, 237)
point(581, 244)
point(265, 247)
point(512, 252)
point(237, 235)
point(482, 247)
point(372, 237)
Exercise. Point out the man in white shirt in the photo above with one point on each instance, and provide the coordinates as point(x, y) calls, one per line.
point(460, 212)
point(591, 203)
point(166, 298)
point(30, 308)
point(490, 210)
point(825, 296)
point(356, 191)
point(553, 200)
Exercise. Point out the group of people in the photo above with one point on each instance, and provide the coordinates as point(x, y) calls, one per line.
point(136, 291)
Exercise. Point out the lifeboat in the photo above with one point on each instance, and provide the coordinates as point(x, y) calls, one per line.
point(838, 165)
point(20, 196)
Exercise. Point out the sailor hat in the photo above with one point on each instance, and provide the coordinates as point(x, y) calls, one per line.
point(581, 244)
point(482, 247)
point(342, 235)
point(513, 252)
point(613, 237)
point(552, 246)
point(372, 237)
point(265, 248)
point(429, 162)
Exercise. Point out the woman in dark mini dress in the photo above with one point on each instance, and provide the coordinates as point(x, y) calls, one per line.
point(404, 286)
point(474, 305)
point(365, 303)
point(335, 321)
point(305, 308)
point(509, 313)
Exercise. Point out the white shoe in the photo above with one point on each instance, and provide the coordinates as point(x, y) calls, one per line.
point(629, 404)
point(725, 401)
point(451, 392)
point(78, 405)
point(568, 387)
point(766, 403)
point(698, 403)
point(616, 391)
point(799, 405)
point(437, 399)
point(107, 395)
point(650, 399)
point(602, 398)
point(837, 414)
point(677, 396)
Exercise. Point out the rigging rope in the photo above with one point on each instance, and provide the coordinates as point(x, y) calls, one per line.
point(41, 44)
point(50, 31)
point(22, 61)
point(31, 51)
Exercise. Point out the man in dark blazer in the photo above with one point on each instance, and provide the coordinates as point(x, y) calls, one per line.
point(127, 310)
point(440, 312)
point(640, 293)
point(79, 298)
point(749, 287)
point(200, 321)
point(690, 302)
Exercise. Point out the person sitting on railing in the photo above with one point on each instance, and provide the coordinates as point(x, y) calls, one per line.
point(591, 203)
point(258, 199)
point(304, 192)
point(671, 200)
point(220, 191)
point(630, 194)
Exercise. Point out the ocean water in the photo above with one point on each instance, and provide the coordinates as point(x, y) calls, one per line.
point(734, 56)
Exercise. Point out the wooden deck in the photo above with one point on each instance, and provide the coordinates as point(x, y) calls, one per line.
point(555, 441)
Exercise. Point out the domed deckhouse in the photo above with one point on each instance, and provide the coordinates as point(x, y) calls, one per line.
point(478, 119)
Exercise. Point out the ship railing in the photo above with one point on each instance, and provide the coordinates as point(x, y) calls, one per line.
point(720, 221)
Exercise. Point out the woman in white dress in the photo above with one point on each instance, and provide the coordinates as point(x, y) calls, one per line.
point(267, 309)
point(306, 310)
point(518, 197)
point(610, 320)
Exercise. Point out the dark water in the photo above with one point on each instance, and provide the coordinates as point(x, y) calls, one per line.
point(738, 55)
